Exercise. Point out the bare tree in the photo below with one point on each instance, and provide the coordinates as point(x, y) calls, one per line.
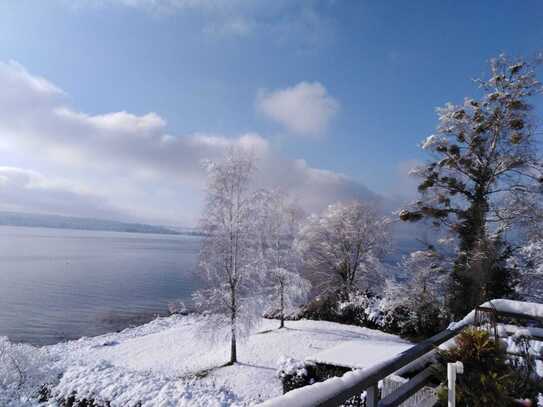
point(343, 247)
point(227, 254)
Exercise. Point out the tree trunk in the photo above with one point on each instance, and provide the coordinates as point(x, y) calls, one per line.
point(466, 282)
point(282, 324)
point(233, 344)
point(233, 349)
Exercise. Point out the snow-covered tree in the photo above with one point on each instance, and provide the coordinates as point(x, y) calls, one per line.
point(528, 262)
point(227, 257)
point(288, 289)
point(484, 166)
point(278, 223)
point(343, 246)
point(427, 271)
point(411, 303)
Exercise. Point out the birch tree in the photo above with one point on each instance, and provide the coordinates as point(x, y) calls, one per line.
point(342, 248)
point(227, 257)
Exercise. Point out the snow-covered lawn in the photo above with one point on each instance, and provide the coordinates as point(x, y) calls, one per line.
point(157, 363)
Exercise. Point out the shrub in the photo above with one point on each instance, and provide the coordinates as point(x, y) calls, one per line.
point(292, 373)
point(323, 307)
point(489, 378)
point(412, 319)
point(23, 369)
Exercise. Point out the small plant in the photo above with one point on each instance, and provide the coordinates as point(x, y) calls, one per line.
point(489, 379)
point(293, 374)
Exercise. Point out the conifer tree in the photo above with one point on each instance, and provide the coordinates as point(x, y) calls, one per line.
point(484, 159)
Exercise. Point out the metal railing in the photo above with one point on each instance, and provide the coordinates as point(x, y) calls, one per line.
point(335, 391)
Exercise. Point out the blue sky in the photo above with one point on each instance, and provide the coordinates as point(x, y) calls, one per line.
point(371, 74)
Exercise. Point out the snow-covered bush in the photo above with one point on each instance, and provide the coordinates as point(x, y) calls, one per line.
point(395, 311)
point(290, 367)
point(360, 308)
point(23, 371)
point(322, 307)
point(293, 373)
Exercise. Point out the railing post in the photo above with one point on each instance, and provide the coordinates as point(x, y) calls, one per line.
point(452, 370)
point(372, 396)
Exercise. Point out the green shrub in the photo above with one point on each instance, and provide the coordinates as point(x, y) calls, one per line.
point(489, 379)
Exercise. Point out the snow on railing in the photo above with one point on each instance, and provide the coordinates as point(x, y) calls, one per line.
point(335, 391)
point(519, 309)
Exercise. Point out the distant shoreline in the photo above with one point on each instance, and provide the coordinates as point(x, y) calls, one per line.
point(16, 219)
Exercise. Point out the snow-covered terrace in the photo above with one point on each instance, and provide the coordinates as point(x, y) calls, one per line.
point(335, 391)
point(358, 354)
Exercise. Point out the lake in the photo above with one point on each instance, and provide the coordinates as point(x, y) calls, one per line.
point(58, 284)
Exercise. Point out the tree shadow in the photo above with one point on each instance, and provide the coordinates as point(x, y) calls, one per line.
point(256, 366)
point(200, 374)
point(338, 333)
point(267, 331)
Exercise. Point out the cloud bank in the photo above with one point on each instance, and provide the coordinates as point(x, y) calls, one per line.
point(126, 166)
point(29, 191)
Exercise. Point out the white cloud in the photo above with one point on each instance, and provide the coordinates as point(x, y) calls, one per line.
point(130, 163)
point(304, 109)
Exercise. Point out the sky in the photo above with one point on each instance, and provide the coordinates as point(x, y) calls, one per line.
point(108, 107)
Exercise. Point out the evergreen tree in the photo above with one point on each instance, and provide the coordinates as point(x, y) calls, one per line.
point(483, 159)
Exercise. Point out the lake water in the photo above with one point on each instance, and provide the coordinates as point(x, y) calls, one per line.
point(63, 284)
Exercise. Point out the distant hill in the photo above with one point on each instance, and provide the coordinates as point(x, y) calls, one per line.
point(68, 222)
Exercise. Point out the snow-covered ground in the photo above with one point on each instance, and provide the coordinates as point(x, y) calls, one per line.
point(165, 363)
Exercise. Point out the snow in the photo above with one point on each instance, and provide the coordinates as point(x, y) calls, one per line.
point(165, 363)
point(359, 354)
point(520, 307)
point(291, 367)
point(431, 141)
point(319, 392)
point(104, 382)
point(518, 331)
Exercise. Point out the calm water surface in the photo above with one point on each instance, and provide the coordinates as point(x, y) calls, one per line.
point(63, 284)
